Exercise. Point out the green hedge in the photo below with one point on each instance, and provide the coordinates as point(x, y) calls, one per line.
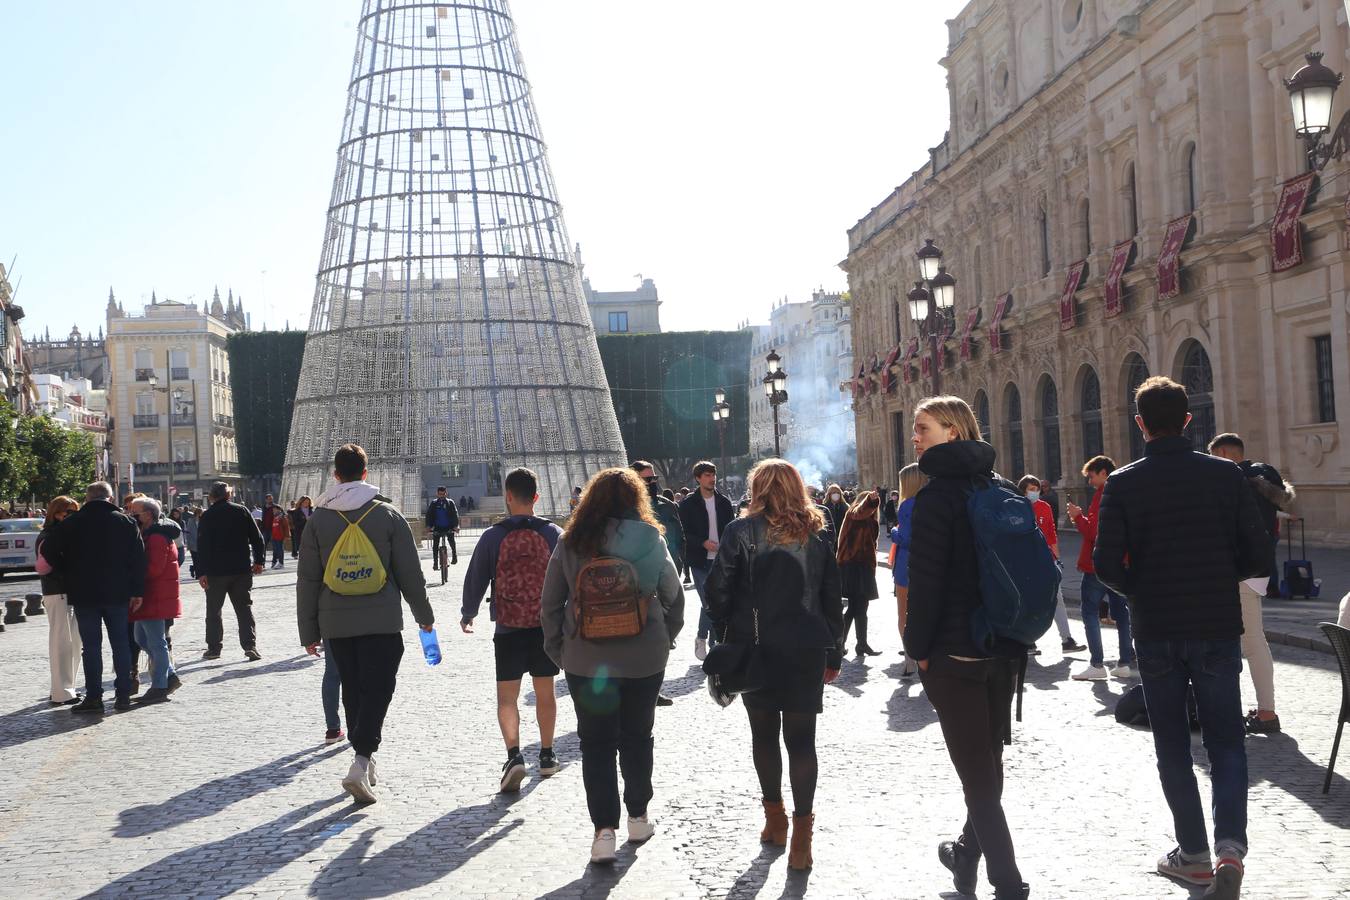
point(264, 374)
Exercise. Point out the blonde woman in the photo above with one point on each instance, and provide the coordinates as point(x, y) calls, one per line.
point(63, 635)
point(911, 481)
point(970, 687)
point(775, 582)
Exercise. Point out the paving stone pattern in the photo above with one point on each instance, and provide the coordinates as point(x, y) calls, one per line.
point(228, 790)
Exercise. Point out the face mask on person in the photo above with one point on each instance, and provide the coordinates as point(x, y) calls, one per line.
point(834, 498)
point(1033, 496)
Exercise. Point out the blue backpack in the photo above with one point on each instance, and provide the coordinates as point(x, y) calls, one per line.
point(1019, 580)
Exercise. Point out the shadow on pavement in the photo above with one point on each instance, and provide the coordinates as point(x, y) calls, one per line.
point(750, 882)
point(688, 683)
point(267, 848)
point(423, 857)
point(909, 709)
point(1277, 759)
point(30, 723)
point(250, 669)
point(215, 796)
point(595, 881)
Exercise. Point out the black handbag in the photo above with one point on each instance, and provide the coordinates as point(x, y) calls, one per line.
point(734, 667)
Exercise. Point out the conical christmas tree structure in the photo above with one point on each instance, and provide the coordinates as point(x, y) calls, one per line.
point(449, 334)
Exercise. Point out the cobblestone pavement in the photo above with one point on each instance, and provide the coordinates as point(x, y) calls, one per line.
point(228, 790)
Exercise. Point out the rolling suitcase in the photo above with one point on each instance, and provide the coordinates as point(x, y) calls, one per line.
point(1298, 578)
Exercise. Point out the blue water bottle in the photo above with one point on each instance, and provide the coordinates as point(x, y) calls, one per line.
point(431, 648)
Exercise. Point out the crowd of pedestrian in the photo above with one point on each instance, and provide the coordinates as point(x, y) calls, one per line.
point(1176, 550)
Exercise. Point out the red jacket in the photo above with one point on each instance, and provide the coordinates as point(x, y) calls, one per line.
point(1045, 521)
point(160, 600)
point(1087, 527)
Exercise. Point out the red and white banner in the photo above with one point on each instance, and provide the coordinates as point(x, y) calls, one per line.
point(1286, 236)
point(996, 326)
point(887, 381)
point(911, 350)
point(971, 321)
point(926, 366)
point(874, 377)
point(1169, 256)
point(1067, 313)
point(858, 382)
point(1120, 260)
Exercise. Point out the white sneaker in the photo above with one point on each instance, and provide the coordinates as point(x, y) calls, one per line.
point(357, 782)
point(602, 848)
point(701, 649)
point(640, 830)
point(1091, 673)
point(1122, 671)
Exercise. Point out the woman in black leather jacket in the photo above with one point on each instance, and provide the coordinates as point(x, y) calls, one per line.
point(775, 582)
point(970, 688)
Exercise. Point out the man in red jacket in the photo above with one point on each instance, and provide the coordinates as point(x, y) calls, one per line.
point(1093, 591)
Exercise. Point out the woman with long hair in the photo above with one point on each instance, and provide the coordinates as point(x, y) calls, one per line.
point(837, 505)
point(614, 681)
point(970, 687)
point(857, 556)
point(911, 482)
point(775, 583)
point(63, 634)
point(299, 515)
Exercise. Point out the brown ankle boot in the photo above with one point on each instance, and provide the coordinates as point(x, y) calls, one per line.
point(799, 854)
point(775, 824)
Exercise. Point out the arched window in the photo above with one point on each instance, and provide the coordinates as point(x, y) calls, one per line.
point(1012, 405)
point(1050, 430)
point(1131, 196)
point(1190, 189)
point(1198, 379)
point(982, 414)
point(1136, 373)
point(1043, 225)
point(1090, 405)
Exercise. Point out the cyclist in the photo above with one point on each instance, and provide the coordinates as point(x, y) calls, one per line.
point(443, 520)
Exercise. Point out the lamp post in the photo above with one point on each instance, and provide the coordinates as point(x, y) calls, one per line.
point(177, 406)
point(1311, 92)
point(775, 388)
point(721, 411)
point(933, 295)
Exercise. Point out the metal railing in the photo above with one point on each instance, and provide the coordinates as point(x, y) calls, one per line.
point(182, 419)
point(224, 421)
point(145, 374)
point(178, 373)
point(146, 421)
point(184, 466)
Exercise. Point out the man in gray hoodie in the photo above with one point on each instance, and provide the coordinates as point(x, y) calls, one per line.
point(364, 631)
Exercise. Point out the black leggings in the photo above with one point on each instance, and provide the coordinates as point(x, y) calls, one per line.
point(799, 736)
point(856, 614)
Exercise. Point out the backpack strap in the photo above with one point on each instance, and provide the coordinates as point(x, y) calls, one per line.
point(373, 504)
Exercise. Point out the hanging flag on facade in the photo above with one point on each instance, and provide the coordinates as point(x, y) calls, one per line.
point(1286, 235)
point(1169, 256)
point(1067, 312)
point(1121, 257)
point(996, 326)
point(972, 320)
point(887, 381)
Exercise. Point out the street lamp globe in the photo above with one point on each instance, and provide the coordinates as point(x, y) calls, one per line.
point(717, 414)
point(1310, 94)
point(774, 360)
point(726, 410)
point(918, 302)
point(152, 381)
point(930, 258)
point(944, 289)
point(780, 381)
point(719, 396)
point(768, 386)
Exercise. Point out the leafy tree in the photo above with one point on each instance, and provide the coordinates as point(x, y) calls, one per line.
point(41, 459)
point(264, 375)
point(662, 386)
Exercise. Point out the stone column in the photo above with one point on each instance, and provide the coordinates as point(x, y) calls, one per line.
point(1261, 116)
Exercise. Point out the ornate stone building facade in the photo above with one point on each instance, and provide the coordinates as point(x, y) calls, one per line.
point(1083, 134)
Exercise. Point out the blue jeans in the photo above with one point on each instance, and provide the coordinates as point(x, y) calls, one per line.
point(332, 688)
point(704, 620)
point(153, 638)
point(92, 621)
point(1210, 669)
point(1092, 593)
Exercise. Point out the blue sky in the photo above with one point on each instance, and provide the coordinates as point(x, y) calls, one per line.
point(721, 150)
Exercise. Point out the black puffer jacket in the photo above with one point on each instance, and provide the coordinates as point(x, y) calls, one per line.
point(795, 588)
point(99, 552)
point(228, 540)
point(944, 575)
point(1189, 525)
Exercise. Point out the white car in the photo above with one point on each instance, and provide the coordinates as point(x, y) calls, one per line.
point(18, 539)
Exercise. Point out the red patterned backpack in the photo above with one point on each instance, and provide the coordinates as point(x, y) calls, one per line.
point(518, 583)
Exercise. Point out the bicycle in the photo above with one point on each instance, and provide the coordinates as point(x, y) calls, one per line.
point(445, 566)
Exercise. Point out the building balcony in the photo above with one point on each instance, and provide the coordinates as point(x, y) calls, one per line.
point(224, 421)
point(184, 466)
point(145, 374)
point(228, 468)
point(150, 421)
point(179, 373)
point(152, 468)
point(182, 420)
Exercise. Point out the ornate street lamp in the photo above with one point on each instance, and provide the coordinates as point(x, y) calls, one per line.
point(930, 302)
point(775, 389)
point(721, 411)
point(1311, 92)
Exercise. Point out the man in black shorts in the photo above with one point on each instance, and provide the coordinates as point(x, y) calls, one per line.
point(511, 557)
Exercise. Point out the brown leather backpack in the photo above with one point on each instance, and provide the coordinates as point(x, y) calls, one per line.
point(609, 603)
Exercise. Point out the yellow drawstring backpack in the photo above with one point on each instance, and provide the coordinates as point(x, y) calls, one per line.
point(354, 568)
